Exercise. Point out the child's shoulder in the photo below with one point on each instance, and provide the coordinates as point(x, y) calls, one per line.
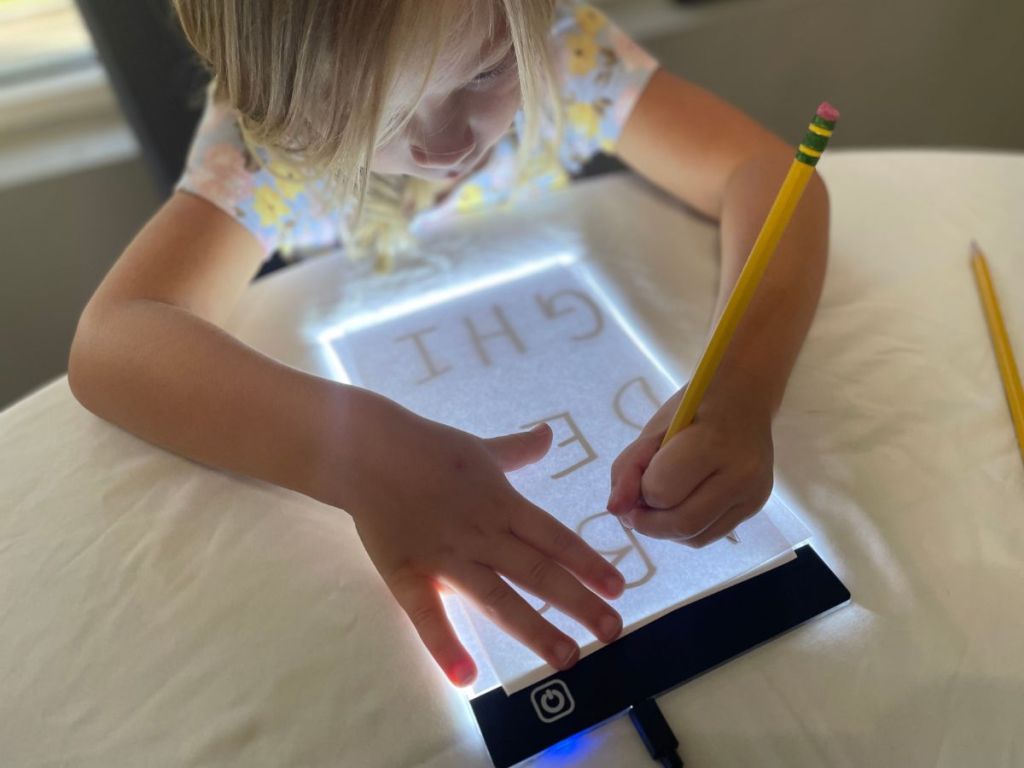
point(277, 204)
point(588, 42)
point(602, 72)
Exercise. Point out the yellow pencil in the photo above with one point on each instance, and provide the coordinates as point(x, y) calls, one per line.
point(800, 172)
point(781, 211)
point(1001, 341)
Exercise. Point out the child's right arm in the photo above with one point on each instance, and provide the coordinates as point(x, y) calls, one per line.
point(431, 503)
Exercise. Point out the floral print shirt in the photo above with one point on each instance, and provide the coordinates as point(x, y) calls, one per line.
point(602, 73)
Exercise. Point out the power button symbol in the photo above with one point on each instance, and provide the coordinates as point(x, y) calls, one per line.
point(552, 701)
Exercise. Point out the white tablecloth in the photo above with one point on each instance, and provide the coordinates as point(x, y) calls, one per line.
point(154, 612)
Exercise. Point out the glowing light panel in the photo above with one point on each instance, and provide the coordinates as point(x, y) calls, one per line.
point(545, 342)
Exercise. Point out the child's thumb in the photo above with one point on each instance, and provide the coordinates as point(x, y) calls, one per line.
point(520, 448)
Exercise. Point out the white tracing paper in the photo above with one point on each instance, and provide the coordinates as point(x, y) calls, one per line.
point(548, 344)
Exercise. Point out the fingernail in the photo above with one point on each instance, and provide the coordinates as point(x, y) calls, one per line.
point(462, 672)
point(610, 627)
point(611, 498)
point(614, 585)
point(626, 522)
point(565, 652)
point(539, 428)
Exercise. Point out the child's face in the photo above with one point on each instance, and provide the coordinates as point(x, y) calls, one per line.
point(469, 103)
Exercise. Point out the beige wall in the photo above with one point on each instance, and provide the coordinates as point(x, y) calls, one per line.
point(58, 237)
point(903, 72)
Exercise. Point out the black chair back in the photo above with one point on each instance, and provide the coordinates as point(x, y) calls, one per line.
point(158, 79)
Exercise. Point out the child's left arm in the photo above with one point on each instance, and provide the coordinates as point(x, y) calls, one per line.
point(718, 471)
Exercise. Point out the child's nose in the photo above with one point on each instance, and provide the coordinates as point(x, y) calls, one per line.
point(444, 154)
point(442, 138)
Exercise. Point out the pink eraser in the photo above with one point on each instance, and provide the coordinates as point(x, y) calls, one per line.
point(827, 112)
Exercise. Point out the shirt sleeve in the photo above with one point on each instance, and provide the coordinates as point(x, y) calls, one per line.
point(283, 210)
point(602, 74)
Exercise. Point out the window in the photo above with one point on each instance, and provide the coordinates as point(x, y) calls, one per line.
point(40, 38)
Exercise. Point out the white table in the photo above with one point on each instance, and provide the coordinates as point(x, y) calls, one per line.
point(154, 612)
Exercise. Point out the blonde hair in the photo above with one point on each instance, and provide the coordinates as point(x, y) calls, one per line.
point(311, 79)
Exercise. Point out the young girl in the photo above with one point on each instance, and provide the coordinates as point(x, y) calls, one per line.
point(349, 119)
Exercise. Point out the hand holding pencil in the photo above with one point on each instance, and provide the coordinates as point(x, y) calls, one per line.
point(696, 520)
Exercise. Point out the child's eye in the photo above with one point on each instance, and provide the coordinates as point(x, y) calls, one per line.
point(493, 74)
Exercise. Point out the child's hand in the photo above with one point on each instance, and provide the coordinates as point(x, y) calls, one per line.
point(710, 477)
point(434, 510)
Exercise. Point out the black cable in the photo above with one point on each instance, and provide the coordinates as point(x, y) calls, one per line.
point(655, 733)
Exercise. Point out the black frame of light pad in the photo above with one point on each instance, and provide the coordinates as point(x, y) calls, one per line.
point(656, 658)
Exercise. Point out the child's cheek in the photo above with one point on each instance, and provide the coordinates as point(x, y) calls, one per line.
point(390, 159)
point(493, 112)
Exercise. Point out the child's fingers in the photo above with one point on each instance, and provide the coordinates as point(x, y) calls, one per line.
point(725, 525)
point(543, 577)
point(521, 448)
point(544, 533)
point(677, 470)
point(512, 613)
point(420, 600)
point(627, 469)
point(691, 518)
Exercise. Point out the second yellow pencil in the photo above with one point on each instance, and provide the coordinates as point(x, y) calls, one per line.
point(1001, 343)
